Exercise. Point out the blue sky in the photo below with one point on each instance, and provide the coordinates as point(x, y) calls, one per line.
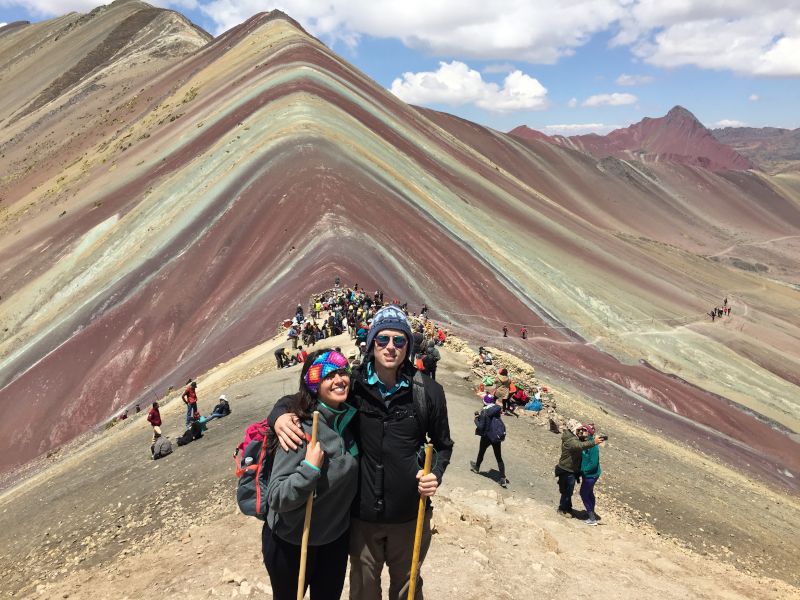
point(561, 66)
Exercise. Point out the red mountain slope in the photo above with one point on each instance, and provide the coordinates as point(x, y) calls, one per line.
point(677, 137)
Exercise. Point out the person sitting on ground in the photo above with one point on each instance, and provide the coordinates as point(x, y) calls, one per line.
point(301, 355)
point(222, 409)
point(569, 466)
point(161, 445)
point(485, 356)
point(194, 431)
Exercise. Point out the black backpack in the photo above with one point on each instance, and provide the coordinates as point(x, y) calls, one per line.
point(422, 408)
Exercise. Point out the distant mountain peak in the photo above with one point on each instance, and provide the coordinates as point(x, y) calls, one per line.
point(677, 137)
point(678, 111)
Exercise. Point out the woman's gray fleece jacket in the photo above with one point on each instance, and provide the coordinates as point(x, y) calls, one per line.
point(334, 486)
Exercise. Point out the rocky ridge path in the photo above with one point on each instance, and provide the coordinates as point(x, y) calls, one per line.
point(103, 521)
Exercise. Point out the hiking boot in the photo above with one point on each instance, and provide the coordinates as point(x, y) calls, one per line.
point(473, 467)
point(504, 482)
point(591, 521)
point(564, 513)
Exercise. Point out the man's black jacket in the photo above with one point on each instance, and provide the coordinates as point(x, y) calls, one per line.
point(390, 445)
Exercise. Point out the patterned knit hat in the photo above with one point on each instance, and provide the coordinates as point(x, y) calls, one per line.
point(324, 365)
point(391, 317)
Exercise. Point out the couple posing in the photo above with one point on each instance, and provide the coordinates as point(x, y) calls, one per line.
point(364, 470)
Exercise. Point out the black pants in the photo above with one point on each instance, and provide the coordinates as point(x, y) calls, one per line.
point(485, 443)
point(279, 358)
point(566, 486)
point(325, 566)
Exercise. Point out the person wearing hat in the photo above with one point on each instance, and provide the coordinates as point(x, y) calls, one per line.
point(590, 473)
point(222, 409)
point(390, 479)
point(328, 470)
point(161, 446)
point(573, 443)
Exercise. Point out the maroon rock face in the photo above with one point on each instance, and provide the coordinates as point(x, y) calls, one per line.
point(677, 137)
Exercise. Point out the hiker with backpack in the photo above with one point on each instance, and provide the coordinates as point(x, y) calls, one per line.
point(568, 469)
point(397, 409)
point(492, 431)
point(189, 398)
point(329, 470)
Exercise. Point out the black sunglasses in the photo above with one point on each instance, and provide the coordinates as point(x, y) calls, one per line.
point(399, 341)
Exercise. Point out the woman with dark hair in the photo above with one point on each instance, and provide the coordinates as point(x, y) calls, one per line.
point(329, 470)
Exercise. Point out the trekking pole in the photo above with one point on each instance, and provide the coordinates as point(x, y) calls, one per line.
point(301, 576)
point(412, 582)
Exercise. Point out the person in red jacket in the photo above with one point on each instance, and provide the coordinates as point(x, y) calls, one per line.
point(154, 418)
point(189, 398)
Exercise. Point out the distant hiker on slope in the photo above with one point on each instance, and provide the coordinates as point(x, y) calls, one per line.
point(590, 472)
point(329, 470)
point(189, 398)
point(154, 418)
point(569, 466)
point(387, 390)
point(505, 330)
point(492, 431)
point(523, 333)
point(161, 445)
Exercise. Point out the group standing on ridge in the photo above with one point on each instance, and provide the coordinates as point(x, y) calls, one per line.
point(352, 438)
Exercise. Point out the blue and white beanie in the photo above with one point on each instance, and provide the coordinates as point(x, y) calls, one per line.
point(391, 317)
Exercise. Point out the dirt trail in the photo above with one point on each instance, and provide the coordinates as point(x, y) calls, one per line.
point(106, 522)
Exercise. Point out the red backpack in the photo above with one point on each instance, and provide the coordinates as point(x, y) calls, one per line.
point(253, 468)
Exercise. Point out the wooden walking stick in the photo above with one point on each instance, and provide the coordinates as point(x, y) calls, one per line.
point(301, 576)
point(412, 582)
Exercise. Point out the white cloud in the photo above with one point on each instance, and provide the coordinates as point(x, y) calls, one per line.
point(536, 32)
point(50, 8)
point(753, 38)
point(573, 102)
point(615, 99)
point(729, 123)
point(498, 68)
point(629, 80)
point(3, 24)
point(455, 84)
point(754, 97)
point(578, 129)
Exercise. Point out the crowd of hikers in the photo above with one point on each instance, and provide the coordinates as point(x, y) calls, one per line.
point(336, 470)
point(720, 311)
point(196, 424)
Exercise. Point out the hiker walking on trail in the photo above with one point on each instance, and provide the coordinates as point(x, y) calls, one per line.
point(590, 473)
point(154, 418)
point(387, 390)
point(329, 470)
point(492, 431)
point(569, 466)
point(523, 332)
point(505, 330)
point(189, 398)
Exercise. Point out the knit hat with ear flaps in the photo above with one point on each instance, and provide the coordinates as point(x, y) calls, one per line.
point(391, 317)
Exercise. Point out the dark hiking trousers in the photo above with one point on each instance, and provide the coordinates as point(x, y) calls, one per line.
point(374, 544)
point(566, 485)
point(485, 443)
point(325, 567)
point(587, 493)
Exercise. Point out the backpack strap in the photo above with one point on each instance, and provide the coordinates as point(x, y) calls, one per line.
point(421, 406)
